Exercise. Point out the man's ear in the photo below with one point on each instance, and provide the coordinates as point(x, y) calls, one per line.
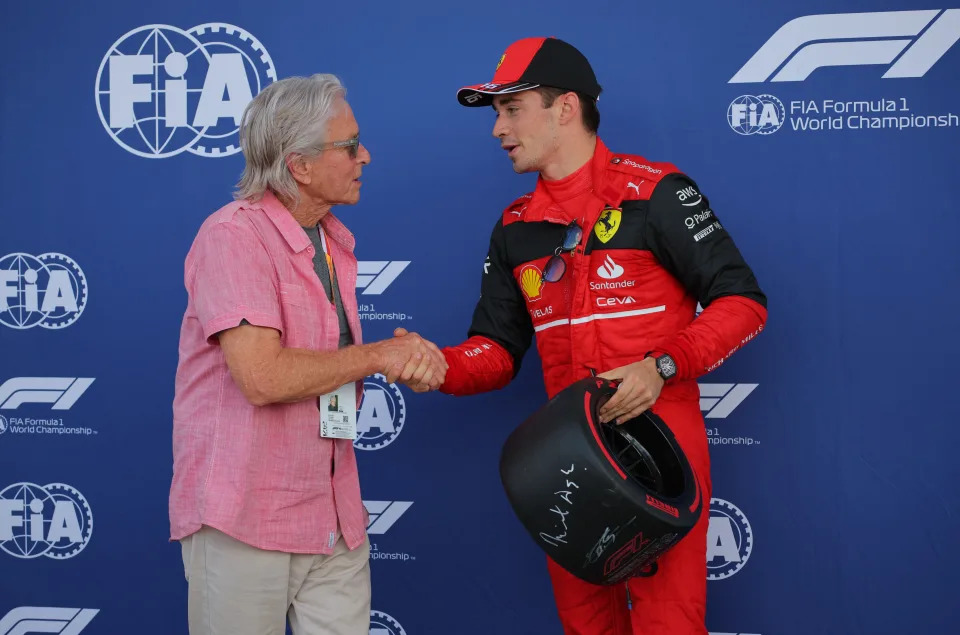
point(569, 107)
point(299, 169)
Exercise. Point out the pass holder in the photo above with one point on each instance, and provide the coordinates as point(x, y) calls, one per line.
point(338, 413)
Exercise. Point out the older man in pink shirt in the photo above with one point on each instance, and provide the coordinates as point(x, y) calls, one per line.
point(265, 497)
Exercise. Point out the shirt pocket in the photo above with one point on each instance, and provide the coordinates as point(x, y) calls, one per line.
point(299, 315)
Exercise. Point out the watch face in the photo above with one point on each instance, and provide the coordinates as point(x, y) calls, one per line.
point(666, 366)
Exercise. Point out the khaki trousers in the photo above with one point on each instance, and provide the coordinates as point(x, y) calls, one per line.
point(236, 589)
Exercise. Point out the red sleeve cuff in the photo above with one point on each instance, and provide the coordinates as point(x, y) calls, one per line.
point(478, 365)
point(721, 330)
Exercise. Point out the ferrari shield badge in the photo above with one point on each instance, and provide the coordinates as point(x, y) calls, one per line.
point(608, 224)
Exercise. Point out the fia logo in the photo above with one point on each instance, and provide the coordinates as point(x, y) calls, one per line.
point(46, 619)
point(51, 520)
point(49, 291)
point(162, 90)
point(756, 115)
point(381, 415)
point(729, 540)
point(383, 624)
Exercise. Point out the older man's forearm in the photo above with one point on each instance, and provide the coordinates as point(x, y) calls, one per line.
point(295, 374)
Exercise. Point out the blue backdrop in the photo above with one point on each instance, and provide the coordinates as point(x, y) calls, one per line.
point(831, 157)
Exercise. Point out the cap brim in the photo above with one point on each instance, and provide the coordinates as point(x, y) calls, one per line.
point(482, 94)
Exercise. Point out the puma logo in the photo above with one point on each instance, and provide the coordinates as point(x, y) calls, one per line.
point(635, 186)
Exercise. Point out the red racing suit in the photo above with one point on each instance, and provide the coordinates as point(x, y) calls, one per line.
point(652, 249)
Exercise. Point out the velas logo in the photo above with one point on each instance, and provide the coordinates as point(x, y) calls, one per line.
point(608, 224)
point(381, 415)
point(383, 624)
point(756, 115)
point(729, 540)
point(46, 619)
point(531, 282)
point(908, 43)
point(49, 291)
point(162, 90)
point(51, 520)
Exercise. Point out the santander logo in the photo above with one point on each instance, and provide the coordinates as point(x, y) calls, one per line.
point(609, 270)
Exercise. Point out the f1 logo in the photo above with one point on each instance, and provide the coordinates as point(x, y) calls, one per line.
point(62, 392)
point(868, 38)
point(46, 619)
point(374, 276)
point(719, 400)
point(383, 514)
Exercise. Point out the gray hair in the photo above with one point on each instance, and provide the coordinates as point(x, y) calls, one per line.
point(288, 116)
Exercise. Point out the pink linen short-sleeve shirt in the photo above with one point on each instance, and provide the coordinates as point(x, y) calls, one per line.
point(261, 474)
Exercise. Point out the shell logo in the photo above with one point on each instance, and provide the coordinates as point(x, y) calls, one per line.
point(531, 281)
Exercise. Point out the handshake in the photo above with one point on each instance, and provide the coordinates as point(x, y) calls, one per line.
point(413, 361)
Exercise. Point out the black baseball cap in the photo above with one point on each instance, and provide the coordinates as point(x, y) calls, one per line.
point(533, 62)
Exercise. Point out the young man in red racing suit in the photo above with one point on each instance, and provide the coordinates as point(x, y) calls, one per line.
point(605, 262)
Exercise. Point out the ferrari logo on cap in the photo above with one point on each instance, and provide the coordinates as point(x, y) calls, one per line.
point(531, 281)
point(502, 57)
point(608, 224)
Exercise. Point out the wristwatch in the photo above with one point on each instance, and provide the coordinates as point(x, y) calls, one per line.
point(666, 367)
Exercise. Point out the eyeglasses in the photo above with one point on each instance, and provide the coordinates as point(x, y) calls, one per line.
point(556, 267)
point(352, 146)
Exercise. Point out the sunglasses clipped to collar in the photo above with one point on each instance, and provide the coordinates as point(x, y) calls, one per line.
point(556, 267)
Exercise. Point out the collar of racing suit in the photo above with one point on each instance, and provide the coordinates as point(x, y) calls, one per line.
point(605, 183)
point(572, 185)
